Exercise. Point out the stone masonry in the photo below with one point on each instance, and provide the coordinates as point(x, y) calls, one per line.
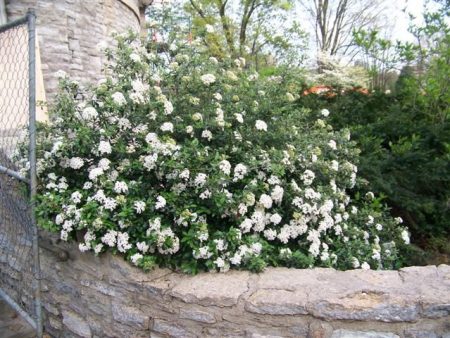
point(89, 296)
point(69, 33)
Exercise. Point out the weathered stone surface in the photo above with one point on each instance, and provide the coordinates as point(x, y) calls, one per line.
point(412, 333)
point(76, 324)
point(360, 305)
point(362, 334)
point(320, 330)
point(277, 302)
point(130, 316)
point(50, 308)
point(212, 289)
point(199, 316)
point(173, 330)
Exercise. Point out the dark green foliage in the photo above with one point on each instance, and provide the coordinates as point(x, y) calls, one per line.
point(405, 152)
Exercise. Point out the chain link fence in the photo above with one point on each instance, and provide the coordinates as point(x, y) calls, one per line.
point(19, 255)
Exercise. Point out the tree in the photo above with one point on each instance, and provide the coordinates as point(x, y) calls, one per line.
point(335, 20)
point(255, 29)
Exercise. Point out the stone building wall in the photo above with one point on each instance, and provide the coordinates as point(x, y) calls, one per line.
point(69, 32)
point(89, 296)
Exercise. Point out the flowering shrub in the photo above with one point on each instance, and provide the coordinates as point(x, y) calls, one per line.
point(196, 164)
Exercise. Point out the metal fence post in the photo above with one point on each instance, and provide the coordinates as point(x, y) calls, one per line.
point(32, 158)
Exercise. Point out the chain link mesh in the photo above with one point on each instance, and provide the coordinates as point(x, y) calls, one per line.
point(16, 229)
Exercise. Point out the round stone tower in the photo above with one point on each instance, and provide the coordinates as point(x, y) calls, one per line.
point(69, 33)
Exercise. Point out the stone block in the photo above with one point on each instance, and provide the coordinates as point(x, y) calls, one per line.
point(76, 324)
point(130, 316)
point(211, 288)
point(362, 334)
point(320, 330)
point(173, 330)
point(415, 333)
point(197, 315)
point(364, 306)
point(277, 302)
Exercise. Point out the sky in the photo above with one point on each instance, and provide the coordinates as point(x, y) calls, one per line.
point(415, 7)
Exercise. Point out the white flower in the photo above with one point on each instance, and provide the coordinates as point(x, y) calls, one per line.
point(308, 177)
point(355, 263)
point(94, 173)
point(217, 96)
point(405, 236)
point(365, 266)
point(376, 255)
point(200, 179)
point(398, 220)
point(231, 75)
point(334, 165)
point(325, 112)
point(168, 107)
point(135, 258)
point(209, 28)
point(205, 195)
point(332, 144)
point(240, 171)
point(261, 125)
point(225, 167)
point(270, 234)
point(239, 118)
point(104, 147)
point(265, 201)
point(277, 194)
point(118, 98)
point(184, 175)
point(212, 59)
point(207, 134)
point(197, 117)
point(110, 238)
point(76, 163)
point(89, 113)
point(189, 129)
point(256, 248)
point(378, 226)
point(139, 206)
point(167, 126)
point(220, 244)
point(275, 219)
point(83, 247)
point(122, 242)
point(219, 262)
point(98, 248)
point(246, 225)
point(142, 247)
point(121, 187)
point(135, 57)
point(104, 163)
point(370, 195)
point(150, 161)
point(160, 202)
point(208, 79)
point(109, 203)
point(151, 138)
point(290, 97)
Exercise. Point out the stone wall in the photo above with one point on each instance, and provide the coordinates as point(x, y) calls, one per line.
point(88, 296)
point(69, 32)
